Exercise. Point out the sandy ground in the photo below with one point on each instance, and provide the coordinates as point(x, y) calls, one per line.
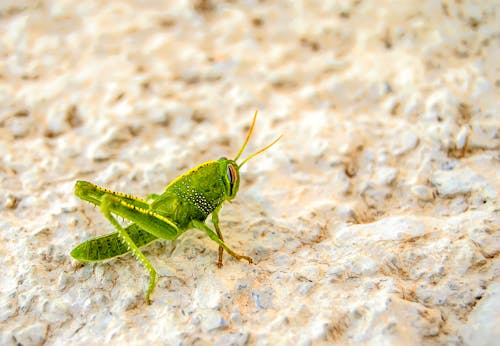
point(375, 219)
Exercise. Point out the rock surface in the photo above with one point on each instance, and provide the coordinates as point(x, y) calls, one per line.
point(375, 220)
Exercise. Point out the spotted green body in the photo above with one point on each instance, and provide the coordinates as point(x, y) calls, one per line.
point(196, 194)
point(186, 203)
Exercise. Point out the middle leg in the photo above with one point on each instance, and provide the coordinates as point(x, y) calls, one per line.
point(203, 227)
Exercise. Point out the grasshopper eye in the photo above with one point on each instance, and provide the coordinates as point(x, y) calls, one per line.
point(231, 174)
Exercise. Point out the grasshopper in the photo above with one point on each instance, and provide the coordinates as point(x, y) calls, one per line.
point(185, 204)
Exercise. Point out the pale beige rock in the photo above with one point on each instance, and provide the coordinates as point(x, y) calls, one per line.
point(375, 220)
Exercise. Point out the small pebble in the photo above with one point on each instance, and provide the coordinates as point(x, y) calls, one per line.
point(211, 320)
point(422, 192)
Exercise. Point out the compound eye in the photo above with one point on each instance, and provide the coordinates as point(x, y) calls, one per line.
point(231, 174)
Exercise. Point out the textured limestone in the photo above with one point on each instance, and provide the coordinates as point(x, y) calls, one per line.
point(375, 220)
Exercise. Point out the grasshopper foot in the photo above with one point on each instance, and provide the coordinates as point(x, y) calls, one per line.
point(249, 259)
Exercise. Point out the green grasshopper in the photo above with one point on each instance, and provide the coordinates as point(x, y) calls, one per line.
point(186, 203)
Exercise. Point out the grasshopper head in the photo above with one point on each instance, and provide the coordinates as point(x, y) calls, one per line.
point(232, 168)
point(231, 176)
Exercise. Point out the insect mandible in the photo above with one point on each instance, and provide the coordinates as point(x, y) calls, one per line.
point(185, 204)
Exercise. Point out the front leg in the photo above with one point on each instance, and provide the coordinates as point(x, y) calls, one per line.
point(215, 221)
point(203, 227)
